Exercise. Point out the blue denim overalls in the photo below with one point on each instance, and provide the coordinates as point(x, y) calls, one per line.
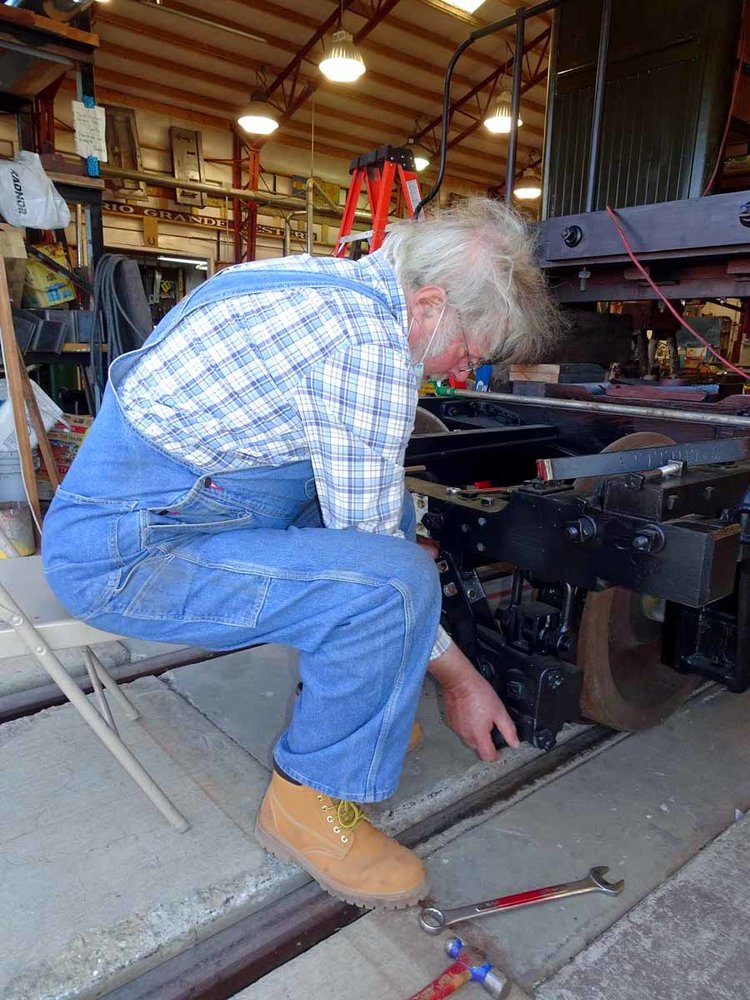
point(142, 545)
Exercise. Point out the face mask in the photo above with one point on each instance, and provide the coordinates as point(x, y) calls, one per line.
point(418, 367)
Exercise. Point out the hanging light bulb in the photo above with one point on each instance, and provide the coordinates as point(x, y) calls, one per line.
point(469, 6)
point(421, 155)
point(529, 187)
point(343, 63)
point(259, 117)
point(498, 122)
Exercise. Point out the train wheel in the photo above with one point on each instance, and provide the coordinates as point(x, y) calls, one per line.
point(626, 686)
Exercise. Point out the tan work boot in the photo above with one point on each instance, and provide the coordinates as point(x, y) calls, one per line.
point(333, 841)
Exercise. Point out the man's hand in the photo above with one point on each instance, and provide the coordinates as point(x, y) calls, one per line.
point(472, 707)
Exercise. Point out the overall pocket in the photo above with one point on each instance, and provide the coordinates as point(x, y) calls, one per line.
point(208, 508)
point(203, 509)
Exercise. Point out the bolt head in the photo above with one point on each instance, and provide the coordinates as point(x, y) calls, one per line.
point(545, 740)
point(572, 236)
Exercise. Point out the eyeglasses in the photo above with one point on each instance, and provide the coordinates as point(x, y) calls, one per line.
point(471, 363)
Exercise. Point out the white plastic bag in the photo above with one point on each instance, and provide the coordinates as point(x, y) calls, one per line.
point(49, 411)
point(27, 195)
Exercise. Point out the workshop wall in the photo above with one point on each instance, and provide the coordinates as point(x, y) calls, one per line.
point(205, 233)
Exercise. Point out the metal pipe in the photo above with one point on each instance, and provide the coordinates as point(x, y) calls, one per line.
point(80, 244)
point(550, 115)
point(515, 104)
point(286, 247)
point(615, 409)
point(165, 180)
point(598, 112)
point(156, 5)
point(310, 198)
point(488, 29)
point(280, 201)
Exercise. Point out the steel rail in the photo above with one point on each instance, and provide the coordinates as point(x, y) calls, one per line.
point(615, 409)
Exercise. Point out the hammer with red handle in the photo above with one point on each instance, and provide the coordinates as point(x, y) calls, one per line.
point(469, 966)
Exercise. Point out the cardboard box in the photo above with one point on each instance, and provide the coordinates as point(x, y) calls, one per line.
point(45, 288)
point(13, 249)
point(65, 442)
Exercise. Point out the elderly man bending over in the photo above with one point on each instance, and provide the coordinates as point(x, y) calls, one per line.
point(244, 483)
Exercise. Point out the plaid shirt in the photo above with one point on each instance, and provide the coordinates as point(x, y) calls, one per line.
point(265, 379)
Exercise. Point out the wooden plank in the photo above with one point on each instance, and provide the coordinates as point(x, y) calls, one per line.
point(37, 423)
point(35, 22)
point(15, 393)
point(535, 373)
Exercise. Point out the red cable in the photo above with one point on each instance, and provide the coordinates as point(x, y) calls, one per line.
point(735, 88)
point(668, 304)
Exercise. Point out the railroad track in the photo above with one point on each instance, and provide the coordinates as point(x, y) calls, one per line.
point(241, 954)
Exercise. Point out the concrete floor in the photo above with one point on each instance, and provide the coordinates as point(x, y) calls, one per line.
point(645, 807)
point(108, 890)
point(95, 888)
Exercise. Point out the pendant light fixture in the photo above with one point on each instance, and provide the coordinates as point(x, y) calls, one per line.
point(499, 120)
point(259, 117)
point(421, 155)
point(529, 187)
point(467, 6)
point(342, 62)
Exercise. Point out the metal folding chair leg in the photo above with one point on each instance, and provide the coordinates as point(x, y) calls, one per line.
point(11, 613)
point(98, 690)
point(119, 697)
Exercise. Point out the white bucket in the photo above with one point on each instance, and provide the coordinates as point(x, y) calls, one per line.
point(11, 483)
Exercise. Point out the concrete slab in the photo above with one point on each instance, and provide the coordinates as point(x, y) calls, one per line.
point(96, 887)
point(686, 941)
point(645, 806)
point(250, 695)
point(22, 673)
point(380, 956)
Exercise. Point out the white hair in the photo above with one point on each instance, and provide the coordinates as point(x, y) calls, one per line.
point(482, 254)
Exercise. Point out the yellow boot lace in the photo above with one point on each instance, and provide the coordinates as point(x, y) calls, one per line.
point(348, 815)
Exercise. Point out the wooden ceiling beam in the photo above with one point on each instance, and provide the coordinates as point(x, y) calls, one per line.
point(412, 28)
point(169, 66)
point(226, 112)
point(109, 95)
point(231, 83)
point(168, 38)
point(281, 43)
point(343, 150)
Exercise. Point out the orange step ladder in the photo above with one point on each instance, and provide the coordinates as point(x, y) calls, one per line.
point(378, 170)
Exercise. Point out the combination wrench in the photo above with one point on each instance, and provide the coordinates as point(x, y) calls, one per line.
point(433, 920)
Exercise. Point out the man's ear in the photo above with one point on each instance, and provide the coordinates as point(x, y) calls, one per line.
point(428, 299)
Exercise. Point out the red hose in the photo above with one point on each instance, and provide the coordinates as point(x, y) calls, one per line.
point(668, 304)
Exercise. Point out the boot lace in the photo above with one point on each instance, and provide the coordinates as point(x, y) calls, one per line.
point(348, 815)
